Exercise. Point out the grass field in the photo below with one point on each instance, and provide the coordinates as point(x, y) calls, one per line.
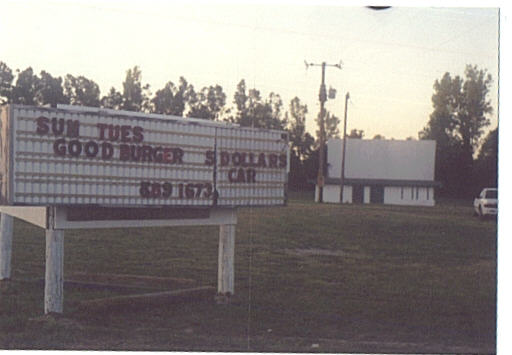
point(309, 278)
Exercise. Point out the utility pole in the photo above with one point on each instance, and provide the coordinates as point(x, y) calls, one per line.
point(342, 180)
point(323, 97)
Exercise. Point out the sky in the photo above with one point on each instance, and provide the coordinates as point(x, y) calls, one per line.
point(390, 59)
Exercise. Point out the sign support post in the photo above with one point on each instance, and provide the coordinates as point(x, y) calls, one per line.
point(55, 221)
point(6, 227)
point(54, 275)
point(100, 168)
point(226, 273)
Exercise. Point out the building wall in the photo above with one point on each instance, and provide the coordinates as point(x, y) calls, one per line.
point(382, 159)
point(409, 196)
point(366, 195)
point(393, 195)
point(332, 194)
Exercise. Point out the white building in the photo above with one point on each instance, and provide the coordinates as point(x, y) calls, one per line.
point(398, 172)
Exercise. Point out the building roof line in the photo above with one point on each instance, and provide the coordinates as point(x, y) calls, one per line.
point(384, 182)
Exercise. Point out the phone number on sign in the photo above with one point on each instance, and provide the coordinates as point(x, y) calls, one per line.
point(180, 190)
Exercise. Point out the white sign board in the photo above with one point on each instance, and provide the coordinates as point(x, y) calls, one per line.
point(90, 156)
point(383, 159)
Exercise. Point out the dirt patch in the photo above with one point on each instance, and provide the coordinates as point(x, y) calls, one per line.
point(315, 252)
point(138, 281)
point(53, 321)
point(143, 301)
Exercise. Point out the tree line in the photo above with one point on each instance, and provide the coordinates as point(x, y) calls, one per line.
point(456, 123)
point(465, 160)
point(249, 108)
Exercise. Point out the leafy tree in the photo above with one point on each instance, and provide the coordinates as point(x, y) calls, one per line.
point(208, 103)
point(81, 91)
point(241, 102)
point(378, 136)
point(331, 125)
point(301, 144)
point(135, 96)
point(6, 79)
point(172, 99)
point(163, 99)
point(311, 165)
point(253, 111)
point(486, 165)
point(301, 141)
point(472, 119)
point(113, 100)
point(26, 88)
point(356, 133)
point(274, 121)
point(50, 90)
point(456, 124)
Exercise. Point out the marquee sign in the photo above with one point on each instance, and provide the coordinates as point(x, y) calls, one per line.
point(89, 156)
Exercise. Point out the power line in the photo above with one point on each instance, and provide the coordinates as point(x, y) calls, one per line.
point(210, 21)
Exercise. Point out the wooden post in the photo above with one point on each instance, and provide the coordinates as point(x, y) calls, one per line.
point(226, 275)
point(6, 226)
point(54, 277)
point(342, 180)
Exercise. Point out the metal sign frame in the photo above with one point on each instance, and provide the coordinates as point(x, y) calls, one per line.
point(74, 155)
point(230, 155)
point(55, 220)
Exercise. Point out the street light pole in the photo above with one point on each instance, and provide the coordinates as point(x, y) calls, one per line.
point(342, 180)
point(321, 139)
